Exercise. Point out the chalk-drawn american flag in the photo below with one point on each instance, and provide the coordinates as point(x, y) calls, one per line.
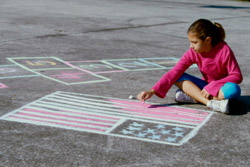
point(102, 115)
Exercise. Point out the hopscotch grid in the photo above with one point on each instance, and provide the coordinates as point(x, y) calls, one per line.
point(108, 63)
point(157, 65)
point(87, 71)
point(103, 79)
point(51, 69)
point(19, 76)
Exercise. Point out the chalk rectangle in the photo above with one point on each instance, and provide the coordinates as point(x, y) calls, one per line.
point(14, 71)
point(57, 70)
point(38, 62)
point(112, 116)
point(134, 64)
point(95, 66)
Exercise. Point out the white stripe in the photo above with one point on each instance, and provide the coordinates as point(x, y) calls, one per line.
point(66, 118)
point(121, 113)
point(56, 121)
point(98, 105)
point(53, 125)
point(184, 113)
point(94, 96)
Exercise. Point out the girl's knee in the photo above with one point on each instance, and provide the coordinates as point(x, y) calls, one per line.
point(231, 90)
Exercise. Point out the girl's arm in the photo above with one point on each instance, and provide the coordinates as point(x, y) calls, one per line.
point(234, 75)
point(167, 81)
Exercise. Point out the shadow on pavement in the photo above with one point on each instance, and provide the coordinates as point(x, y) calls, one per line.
point(239, 106)
point(224, 7)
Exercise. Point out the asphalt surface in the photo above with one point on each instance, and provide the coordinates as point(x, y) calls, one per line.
point(89, 56)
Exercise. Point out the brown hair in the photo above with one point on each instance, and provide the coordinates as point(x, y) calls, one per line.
point(204, 28)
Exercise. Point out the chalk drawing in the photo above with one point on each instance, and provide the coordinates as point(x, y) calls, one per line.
point(81, 72)
point(57, 70)
point(3, 86)
point(95, 66)
point(14, 71)
point(123, 65)
point(112, 116)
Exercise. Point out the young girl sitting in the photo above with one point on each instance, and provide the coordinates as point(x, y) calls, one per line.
point(217, 63)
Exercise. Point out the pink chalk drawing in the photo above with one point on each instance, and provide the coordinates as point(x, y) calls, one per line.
point(3, 86)
point(129, 119)
point(68, 75)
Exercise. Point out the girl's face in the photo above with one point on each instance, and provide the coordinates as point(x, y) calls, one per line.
point(198, 45)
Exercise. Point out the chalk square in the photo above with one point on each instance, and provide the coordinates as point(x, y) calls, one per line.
point(13, 71)
point(167, 62)
point(33, 63)
point(95, 66)
point(133, 64)
point(72, 76)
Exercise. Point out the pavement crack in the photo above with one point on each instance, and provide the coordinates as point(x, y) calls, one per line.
point(51, 35)
point(133, 27)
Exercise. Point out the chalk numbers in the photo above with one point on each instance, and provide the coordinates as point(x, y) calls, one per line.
point(40, 63)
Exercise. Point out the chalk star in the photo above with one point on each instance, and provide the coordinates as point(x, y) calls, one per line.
point(133, 128)
point(141, 134)
point(171, 139)
point(155, 137)
point(150, 131)
point(165, 131)
point(160, 126)
point(137, 124)
point(178, 134)
point(124, 131)
point(178, 129)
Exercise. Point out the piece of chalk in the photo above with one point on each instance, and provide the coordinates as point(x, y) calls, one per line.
point(142, 102)
point(131, 97)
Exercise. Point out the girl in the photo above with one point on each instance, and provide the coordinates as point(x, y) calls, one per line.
point(217, 63)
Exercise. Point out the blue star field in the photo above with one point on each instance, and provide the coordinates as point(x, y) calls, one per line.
point(152, 131)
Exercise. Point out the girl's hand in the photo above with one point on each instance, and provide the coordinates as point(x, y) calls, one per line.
point(205, 94)
point(144, 95)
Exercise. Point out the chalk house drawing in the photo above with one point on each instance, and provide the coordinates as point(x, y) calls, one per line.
point(112, 116)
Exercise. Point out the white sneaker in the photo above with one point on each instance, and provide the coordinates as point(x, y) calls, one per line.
point(219, 105)
point(182, 97)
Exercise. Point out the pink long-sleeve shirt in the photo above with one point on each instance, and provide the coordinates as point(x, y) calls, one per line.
point(218, 67)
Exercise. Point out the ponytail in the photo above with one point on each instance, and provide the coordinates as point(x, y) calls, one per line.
point(221, 31)
point(204, 28)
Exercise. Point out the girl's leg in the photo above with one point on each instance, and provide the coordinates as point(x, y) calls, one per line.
point(192, 90)
point(230, 90)
point(192, 86)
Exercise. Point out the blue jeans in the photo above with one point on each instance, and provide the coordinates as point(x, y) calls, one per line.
point(229, 89)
